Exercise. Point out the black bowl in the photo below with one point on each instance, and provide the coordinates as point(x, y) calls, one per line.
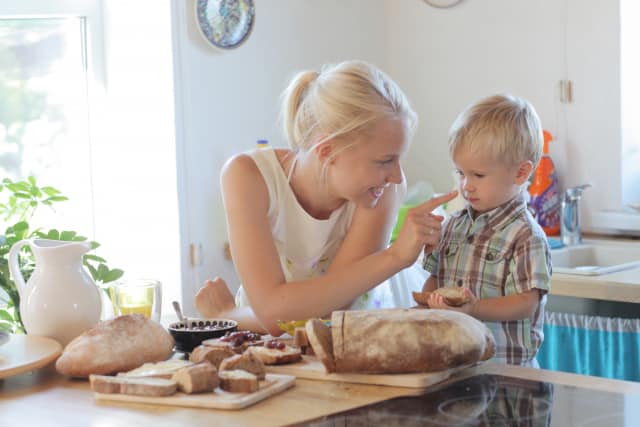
point(188, 337)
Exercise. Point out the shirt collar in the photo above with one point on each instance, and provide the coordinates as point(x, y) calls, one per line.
point(500, 216)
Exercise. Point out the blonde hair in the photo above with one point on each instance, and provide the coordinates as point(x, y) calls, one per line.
point(341, 101)
point(505, 126)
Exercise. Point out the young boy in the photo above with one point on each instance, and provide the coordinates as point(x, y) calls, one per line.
point(493, 247)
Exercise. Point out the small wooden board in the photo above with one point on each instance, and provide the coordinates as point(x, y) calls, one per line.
point(24, 353)
point(218, 399)
point(311, 368)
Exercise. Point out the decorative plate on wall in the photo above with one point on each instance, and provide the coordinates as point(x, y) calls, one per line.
point(225, 23)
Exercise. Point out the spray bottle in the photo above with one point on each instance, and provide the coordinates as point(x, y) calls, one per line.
point(545, 192)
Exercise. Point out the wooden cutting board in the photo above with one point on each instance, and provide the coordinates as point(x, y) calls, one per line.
point(311, 368)
point(218, 399)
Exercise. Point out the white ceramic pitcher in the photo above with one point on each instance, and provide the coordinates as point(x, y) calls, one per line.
point(60, 300)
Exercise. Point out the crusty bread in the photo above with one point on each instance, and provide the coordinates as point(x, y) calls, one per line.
point(164, 369)
point(244, 340)
point(274, 356)
point(453, 296)
point(197, 378)
point(405, 340)
point(238, 381)
point(116, 345)
point(214, 355)
point(319, 336)
point(132, 385)
point(301, 340)
point(246, 362)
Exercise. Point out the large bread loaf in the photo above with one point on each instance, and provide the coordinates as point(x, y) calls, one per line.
point(407, 340)
point(116, 345)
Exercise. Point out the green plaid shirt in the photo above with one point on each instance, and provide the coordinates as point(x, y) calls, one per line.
point(502, 252)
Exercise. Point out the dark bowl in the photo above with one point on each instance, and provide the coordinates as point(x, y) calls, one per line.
point(198, 330)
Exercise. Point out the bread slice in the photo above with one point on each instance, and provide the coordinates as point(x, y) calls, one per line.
point(301, 341)
point(453, 296)
point(275, 356)
point(319, 335)
point(237, 341)
point(214, 355)
point(238, 381)
point(197, 378)
point(154, 387)
point(164, 369)
point(247, 362)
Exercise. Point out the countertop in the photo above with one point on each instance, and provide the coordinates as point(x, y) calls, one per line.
point(621, 286)
point(47, 398)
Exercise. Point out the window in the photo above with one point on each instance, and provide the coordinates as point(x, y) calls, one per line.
point(109, 148)
point(44, 110)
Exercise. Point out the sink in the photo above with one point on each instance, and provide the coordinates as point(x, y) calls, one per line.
point(593, 258)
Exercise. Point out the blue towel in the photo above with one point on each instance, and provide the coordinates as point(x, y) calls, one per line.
point(555, 243)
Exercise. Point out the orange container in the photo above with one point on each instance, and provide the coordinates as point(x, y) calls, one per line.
point(545, 192)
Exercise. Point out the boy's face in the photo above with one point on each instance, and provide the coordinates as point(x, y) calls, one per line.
point(486, 183)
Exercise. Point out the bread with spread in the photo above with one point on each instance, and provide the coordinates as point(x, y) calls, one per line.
point(276, 352)
point(116, 345)
point(400, 341)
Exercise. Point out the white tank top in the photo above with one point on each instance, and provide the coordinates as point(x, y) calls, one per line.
point(306, 245)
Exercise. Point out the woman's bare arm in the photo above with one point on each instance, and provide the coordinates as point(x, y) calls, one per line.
point(256, 259)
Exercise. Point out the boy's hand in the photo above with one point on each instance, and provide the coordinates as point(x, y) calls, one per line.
point(437, 301)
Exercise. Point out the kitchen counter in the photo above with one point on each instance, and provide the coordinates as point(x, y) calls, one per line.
point(622, 286)
point(47, 398)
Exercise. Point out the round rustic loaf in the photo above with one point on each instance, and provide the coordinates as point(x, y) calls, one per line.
point(116, 345)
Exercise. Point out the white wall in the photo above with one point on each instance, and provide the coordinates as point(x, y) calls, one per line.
point(443, 59)
point(446, 59)
point(229, 99)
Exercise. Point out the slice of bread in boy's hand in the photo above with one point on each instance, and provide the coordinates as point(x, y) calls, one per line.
point(453, 296)
point(319, 336)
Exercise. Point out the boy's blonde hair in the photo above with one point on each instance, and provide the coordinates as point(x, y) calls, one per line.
point(341, 100)
point(506, 126)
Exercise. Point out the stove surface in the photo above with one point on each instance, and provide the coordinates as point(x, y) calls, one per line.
point(493, 400)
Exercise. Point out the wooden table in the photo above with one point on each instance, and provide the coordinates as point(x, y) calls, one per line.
point(46, 398)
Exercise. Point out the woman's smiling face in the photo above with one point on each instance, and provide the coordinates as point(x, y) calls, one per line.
point(362, 172)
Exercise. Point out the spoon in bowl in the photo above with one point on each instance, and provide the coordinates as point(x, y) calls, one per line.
point(176, 307)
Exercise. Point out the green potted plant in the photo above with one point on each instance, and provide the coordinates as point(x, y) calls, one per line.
point(19, 201)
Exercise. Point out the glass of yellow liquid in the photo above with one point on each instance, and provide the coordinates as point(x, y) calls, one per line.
point(141, 296)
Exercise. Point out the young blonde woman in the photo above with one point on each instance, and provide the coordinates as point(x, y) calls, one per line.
point(309, 226)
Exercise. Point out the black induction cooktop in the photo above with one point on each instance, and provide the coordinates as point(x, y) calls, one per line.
point(493, 400)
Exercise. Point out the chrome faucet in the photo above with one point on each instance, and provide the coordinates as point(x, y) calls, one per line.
point(570, 225)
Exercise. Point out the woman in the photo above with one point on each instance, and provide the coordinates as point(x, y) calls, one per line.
point(309, 226)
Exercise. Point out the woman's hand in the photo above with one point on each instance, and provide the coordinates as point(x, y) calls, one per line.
point(437, 301)
point(421, 229)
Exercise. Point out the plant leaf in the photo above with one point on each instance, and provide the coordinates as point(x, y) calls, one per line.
point(95, 258)
point(5, 315)
point(112, 275)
